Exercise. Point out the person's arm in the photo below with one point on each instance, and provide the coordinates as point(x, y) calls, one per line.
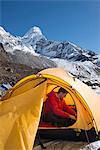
point(55, 108)
point(68, 109)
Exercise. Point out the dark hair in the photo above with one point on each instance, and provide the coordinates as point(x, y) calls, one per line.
point(62, 90)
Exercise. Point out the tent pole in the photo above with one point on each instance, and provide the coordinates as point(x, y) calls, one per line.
point(87, 138)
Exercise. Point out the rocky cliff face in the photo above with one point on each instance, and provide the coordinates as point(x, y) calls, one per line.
point(11, 72)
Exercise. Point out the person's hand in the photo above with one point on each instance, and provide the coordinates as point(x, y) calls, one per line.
point(72, 117)
point(72, 106)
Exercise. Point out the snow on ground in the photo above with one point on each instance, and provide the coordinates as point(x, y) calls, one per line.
point(78, 68)
point(84, 70)
point(92, 146)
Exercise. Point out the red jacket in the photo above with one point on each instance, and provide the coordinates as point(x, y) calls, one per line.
point(58, 107)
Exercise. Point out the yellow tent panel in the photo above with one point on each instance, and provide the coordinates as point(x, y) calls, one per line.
point(19, 119)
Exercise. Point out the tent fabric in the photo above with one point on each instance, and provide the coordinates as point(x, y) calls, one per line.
point(19, 119)
point(20, 108)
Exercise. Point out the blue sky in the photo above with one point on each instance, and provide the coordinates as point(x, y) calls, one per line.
point(75, 21)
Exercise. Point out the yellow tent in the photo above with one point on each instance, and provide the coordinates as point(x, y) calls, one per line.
point(20, 108)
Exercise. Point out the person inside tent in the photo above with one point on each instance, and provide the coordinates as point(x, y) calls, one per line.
point(56, 111)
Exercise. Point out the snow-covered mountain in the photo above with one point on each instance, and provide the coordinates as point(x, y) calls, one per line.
point(34, 49)
point(32, 37)
point(21, 49)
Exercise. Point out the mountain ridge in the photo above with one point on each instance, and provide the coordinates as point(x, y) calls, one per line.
point(83, 63)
